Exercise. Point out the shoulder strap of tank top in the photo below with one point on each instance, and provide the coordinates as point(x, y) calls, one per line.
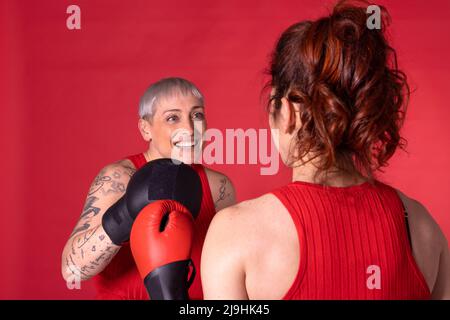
point(138, 160)
point(405, 212)
point(408, 231)
point(284, 195)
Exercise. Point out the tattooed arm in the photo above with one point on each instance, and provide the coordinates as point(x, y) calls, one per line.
point(222, 189)
point(89, 250)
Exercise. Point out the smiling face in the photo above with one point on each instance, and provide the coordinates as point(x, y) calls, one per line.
point(175, 129)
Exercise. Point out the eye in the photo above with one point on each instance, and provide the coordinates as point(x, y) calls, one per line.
point(198, 116)
point(172, 118)
point(275, 102)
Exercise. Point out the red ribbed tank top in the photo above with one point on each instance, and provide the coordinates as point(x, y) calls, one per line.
point(353, 243)
point(121, 279)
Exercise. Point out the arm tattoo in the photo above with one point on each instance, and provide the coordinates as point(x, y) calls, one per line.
point(113, 180)
point(98, 183)
point(222, 192)
point(87, 271)
point(89, 208)
point(81, 228)
point(130, 171)
point(116, 175)
point(104, 258)
point(86, 237)
point(114, 187)
point(106, 183)
point(80, 242)
point(72, 267)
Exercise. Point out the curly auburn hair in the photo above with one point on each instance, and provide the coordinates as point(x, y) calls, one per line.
point(345, 78)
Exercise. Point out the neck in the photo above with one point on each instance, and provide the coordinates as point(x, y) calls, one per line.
point(334, 178)
point(150, 155)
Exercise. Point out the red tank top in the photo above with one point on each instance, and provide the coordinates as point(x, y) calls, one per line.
point(121, 279)
point(353, 243)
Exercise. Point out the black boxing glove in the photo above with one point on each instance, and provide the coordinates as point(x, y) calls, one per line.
point(160, 179)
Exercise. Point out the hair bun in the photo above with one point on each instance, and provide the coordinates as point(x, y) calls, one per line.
point(347, 31)
point(348, 23)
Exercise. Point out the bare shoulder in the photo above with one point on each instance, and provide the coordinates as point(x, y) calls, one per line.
point(113, 178)
point(222, 189)
point(229, 242)
point(428, 242)
point(126, 165)
point(121, 168)
point(252, 233)
point(216, 176)
point(261, 205)
point(421, 221)
point(229, 231)
point(247, 220)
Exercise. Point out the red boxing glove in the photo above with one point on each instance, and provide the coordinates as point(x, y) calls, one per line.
point(161, 240)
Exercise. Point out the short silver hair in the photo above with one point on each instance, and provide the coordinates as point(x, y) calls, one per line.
point(166, 87)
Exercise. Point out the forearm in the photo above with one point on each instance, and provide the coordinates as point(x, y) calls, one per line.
point(88, 253)
point(89, 249)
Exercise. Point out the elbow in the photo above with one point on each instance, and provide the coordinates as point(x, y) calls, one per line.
point(72, 275)
point(65, 275)
point(67, 269)
point(71, 271)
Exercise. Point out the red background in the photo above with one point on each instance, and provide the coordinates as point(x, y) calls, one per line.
point(69, 104)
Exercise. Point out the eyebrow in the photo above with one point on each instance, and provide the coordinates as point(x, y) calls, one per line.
point(179, 110)
point(172, 110)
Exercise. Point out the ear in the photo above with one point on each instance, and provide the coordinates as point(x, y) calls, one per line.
point(287, 116)
point(145, 129)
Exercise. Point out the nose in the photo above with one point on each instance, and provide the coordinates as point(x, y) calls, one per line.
point(188, 126)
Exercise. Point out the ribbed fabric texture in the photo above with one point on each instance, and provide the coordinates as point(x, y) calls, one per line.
point(353, 243)
point(120, 280)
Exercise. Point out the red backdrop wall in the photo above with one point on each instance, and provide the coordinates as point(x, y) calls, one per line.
point(69, 101)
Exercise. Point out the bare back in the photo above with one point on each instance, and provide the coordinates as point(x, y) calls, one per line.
point(273, 248)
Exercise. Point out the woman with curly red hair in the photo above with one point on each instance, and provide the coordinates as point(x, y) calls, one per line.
point(337, 105)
